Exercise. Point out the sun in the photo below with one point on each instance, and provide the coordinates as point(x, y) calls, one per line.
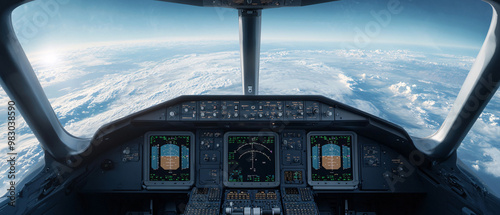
point(50, 58)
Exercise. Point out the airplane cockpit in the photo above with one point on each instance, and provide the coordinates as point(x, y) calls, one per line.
point(249, 154)
point(256, 155)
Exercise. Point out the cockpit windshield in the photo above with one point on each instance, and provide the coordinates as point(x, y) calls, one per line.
point(400, 60)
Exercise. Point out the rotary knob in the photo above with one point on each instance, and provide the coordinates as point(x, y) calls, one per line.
point(126, 151)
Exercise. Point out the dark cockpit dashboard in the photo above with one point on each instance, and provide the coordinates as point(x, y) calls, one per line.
point(253, 155)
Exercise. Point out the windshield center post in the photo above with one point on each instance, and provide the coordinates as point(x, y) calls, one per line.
point(250, 27)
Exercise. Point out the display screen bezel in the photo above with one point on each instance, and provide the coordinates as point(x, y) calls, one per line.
point(354, 162)
point(147, 162)
point(226, 181)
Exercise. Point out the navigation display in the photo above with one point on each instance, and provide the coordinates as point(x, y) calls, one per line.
point(169, 158)
point(331, 158)
point(251, 159)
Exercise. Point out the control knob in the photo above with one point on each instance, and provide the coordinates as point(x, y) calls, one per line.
point(126, 151)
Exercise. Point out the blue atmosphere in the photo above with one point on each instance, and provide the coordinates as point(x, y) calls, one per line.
point(49, 23)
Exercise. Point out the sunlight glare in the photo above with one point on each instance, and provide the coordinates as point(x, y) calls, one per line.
point(50, 58)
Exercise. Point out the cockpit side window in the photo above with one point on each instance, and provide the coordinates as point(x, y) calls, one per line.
point(19, 149)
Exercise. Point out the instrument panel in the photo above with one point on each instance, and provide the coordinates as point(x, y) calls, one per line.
point(272, 154)
point(251, 159)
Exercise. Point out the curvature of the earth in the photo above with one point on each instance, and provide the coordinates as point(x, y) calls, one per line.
point(91, 86)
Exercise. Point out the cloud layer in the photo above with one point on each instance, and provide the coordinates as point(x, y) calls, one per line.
point(91, 86)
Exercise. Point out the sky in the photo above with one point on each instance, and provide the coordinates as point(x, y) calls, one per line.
point(49, 24)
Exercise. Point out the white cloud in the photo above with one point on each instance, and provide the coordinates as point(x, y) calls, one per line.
point(403, 89)
point(346, 80)
point(292, 73)
point(118, 95)
point(428, 103)
point(427, 82)
point(363, 76)
point(492, 166)
point(490, 118)
point(486, 131)
point(367, 107)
